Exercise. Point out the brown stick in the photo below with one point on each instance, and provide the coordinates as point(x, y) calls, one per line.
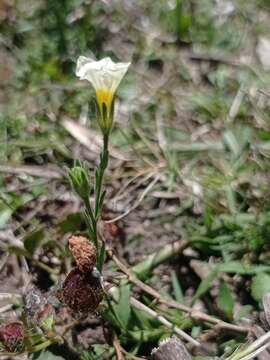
point(195, 314)
point(49, 172)
point(139, 305)
point(117, 347)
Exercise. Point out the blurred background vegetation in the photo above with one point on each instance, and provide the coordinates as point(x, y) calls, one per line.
point(192, 129)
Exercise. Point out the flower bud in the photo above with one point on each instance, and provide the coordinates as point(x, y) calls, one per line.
point(81, 292)
point(84, 253)
point(79, 178)
point(12, 337)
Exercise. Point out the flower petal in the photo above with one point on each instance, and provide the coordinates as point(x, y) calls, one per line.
point(103, 74)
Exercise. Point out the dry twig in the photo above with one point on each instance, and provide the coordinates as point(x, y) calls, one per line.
point(140, 306)
point(196, 314)
point(50, 172)
point(137, 203)
point(118, 349)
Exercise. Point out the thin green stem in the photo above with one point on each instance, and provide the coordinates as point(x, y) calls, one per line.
point(256, 345)
point(92, 224)
point(100, 175)
point(92, 215)
point(46, 344)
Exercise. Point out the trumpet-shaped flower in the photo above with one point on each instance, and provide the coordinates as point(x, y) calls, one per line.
point(105, 76)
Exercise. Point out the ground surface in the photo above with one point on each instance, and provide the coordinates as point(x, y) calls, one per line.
point(189, 156)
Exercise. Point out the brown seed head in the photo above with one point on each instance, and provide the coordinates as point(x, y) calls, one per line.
point(84, 253)
point(81, 292)
point(12, 336)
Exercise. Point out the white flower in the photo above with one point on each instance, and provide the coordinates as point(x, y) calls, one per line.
point(105, 76)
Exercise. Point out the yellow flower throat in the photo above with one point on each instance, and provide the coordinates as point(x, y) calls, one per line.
point(104, 96)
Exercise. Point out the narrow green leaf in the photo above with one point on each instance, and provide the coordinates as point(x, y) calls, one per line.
point(122, 307)
point(205, 285)
point(101, 257)
point(260, 285)
point(101, 201)
point(71, 223)
point(225, 300)
point(178, 294)
point(239, 267)
point(33, 240)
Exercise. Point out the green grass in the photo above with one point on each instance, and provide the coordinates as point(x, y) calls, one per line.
point(174, 121)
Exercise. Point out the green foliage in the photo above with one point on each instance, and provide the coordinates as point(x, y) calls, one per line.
point(210, 105)
point(232, 235)
point(96, 352)
point(178, 293)
point(134, 327)
point(260, 286)
point(177, 19)
point(231, 267)
point(79, 177)
point(80, 180)
point(33, 240)
point(71, 223)
point(189, 66)
point(225, 300)
point(120, 309)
